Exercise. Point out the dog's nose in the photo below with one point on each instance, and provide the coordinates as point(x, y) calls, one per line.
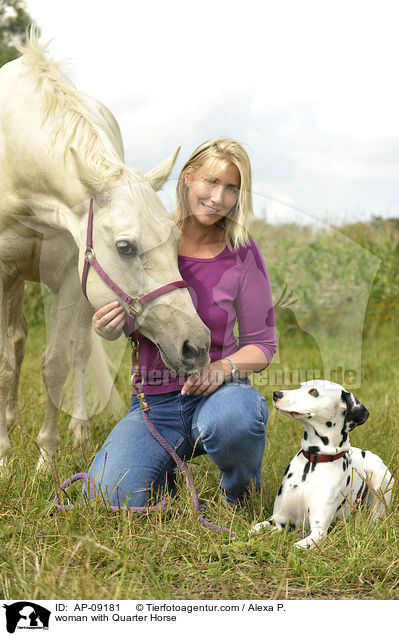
point(277, 395)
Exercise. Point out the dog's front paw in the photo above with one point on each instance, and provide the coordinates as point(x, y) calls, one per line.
point(258, 526)
point(315, 536)
point(305, 543)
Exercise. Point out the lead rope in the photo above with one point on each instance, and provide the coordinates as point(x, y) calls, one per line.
point(137, 382)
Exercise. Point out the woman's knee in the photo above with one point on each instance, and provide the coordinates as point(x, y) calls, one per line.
point(233, 416)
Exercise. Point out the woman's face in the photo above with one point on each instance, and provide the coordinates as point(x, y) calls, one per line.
point(212, 194)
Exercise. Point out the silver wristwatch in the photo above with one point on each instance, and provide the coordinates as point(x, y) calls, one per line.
point(234, 370)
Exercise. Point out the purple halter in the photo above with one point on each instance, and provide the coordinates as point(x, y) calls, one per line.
point(136, 304)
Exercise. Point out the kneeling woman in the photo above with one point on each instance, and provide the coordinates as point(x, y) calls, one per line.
point(215, 410)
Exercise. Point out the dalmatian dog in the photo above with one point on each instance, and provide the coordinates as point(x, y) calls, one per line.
point(328, 476)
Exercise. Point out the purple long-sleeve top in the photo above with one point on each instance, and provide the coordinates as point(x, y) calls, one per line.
point(233, 286)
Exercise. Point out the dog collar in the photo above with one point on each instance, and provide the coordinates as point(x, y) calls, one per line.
point(316, 458)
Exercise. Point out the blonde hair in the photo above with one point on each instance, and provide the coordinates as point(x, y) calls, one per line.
point(221, 152)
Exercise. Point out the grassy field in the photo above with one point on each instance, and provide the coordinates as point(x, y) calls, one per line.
point(92, 554)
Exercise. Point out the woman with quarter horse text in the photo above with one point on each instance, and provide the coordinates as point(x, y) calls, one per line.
point(214, 410)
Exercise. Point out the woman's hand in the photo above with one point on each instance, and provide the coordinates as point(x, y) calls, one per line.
point(208, 379)
point(108, 321)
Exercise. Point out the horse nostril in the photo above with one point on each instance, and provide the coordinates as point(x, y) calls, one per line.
point(277, 395)
point(188, 350)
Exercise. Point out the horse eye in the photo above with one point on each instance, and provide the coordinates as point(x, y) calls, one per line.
point(125, 248)
point(314, 392)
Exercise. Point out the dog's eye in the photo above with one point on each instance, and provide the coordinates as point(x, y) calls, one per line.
point(314, 392)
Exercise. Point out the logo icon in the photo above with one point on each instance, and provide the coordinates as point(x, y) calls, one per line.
point(26, 615)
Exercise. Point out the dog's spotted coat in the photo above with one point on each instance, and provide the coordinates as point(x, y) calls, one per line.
point(314, 493)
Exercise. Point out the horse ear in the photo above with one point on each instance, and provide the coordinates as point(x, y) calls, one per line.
point(158, 175)
point(355, 413)
point(90, 179)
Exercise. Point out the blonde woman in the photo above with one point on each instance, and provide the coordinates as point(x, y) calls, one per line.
point(215, 410)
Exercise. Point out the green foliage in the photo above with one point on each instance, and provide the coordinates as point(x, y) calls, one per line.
point(323, 266)
point(33, 303)
point(382, 239)
point(331, 287)
point(14, 21)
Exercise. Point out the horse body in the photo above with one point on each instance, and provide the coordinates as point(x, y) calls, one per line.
point(58, 149)
point(53, 261)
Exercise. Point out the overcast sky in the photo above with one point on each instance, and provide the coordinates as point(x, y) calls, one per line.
point(310, 87)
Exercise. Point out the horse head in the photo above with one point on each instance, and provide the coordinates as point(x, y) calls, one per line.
point(136, 240)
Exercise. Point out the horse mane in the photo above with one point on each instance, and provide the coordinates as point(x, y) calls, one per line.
point(61, 100)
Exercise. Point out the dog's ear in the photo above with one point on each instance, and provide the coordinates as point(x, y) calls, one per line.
point(355, 413)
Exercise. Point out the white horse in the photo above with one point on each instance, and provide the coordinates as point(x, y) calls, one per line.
point(55, 265)
point(55, 155)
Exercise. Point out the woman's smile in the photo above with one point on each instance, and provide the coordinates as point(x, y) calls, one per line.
point(209, 209)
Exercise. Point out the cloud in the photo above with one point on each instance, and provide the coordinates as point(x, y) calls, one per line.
point(309, 87)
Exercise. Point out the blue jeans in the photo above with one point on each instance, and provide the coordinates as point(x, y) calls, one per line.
point(229, 425)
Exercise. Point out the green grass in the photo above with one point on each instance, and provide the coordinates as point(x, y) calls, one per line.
point(93, 554)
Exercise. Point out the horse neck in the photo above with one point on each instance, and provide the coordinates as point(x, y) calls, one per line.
point(41, 166)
